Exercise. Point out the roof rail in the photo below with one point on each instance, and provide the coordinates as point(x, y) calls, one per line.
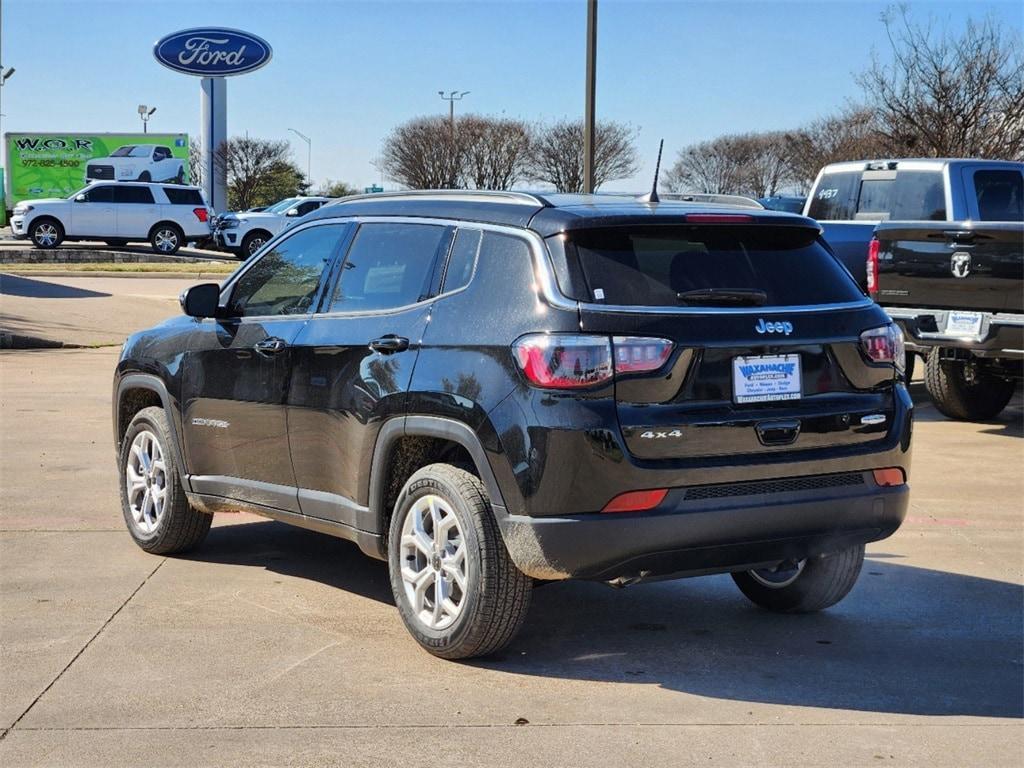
point(464, 195)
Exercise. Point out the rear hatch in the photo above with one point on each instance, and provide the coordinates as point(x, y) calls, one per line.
point(766, 328)
point(968, 266)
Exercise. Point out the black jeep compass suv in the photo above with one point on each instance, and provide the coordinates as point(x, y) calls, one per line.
point(488, 390)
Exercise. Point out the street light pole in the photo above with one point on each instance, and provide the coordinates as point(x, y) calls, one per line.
point(451, 98)
point(144, 114)
point(309, 155)
point(591, 92)
point(4, 75)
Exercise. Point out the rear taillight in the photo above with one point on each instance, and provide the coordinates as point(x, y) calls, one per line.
point(202, 214)
point(634, 354)
point(572, 361)
point(564, 361)
point(636, 501)
point(884, 345)
point(872, 266)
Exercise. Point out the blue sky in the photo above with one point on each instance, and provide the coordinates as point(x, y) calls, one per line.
point(344, 72)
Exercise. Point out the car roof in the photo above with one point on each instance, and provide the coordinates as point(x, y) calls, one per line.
point(911, 163)
point(545, 213)
point(112, 182)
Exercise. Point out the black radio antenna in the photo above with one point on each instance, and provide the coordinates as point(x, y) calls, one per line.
point(652, 196)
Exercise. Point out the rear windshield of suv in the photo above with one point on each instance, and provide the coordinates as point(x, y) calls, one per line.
point(657, 265)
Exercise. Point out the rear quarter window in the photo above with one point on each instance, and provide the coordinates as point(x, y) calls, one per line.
point(652, 266)
point(835, 197)
point(179, 196)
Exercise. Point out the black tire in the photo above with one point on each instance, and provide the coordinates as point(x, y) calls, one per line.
point(252, 242)
point(823, 581)
point(144, 176)
point(963, 390)
point(497, 595)
point(46, 233)
point(166, 238)
point(179, 527)
point(910, 361)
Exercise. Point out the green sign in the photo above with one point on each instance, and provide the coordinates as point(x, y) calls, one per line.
point(3, 202)
point(43, 165)
point(373, 189)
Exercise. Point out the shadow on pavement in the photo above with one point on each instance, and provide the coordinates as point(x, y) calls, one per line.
point(906, 640)
point(13, 285)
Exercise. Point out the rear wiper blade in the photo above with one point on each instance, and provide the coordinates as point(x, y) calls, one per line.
point(745, 296)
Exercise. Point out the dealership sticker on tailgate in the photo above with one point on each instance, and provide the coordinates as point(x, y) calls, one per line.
point(963, 323)
point(766, 378)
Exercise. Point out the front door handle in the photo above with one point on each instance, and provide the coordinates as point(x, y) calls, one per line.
point(390, 343)
point(271, 346)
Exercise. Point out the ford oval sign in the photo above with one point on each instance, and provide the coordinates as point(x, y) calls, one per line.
point(212, 52)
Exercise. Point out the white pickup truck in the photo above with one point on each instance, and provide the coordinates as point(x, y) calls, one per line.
point(137, 162)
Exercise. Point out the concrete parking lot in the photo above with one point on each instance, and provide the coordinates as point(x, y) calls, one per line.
point(275, 646)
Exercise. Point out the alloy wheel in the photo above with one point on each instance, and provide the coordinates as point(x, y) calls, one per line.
point(46, 235)
point(782, 575)
point(146, 481)
point(255, 244)
point(435, 569)
point(166, 240)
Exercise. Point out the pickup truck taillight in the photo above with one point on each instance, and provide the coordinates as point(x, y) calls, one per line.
point(202, 214)
point(574, 361)
point(872, 266)
point(884, 345)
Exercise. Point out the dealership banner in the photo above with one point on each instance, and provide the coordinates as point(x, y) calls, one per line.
point(56, 164)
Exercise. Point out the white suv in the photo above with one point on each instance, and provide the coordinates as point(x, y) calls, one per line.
point(137, 162)
point(245, 233)
point(167, 216)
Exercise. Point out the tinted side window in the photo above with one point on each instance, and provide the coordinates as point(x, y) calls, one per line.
point(133, 195)
point(306, 207)
point(462, 260)
point(835, 198)
point(284, 280)
point(1000, 195)
point(388, 266)
point(179, 196)
point(100, 195)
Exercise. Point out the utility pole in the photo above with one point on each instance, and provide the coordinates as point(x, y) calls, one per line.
point(451, 98)
point(591, 89)
point(309, 155)
point(144, 114)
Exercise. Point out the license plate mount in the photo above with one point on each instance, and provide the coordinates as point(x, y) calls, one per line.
point(766, 378)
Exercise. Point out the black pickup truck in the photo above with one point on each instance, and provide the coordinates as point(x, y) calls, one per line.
point(957, 291)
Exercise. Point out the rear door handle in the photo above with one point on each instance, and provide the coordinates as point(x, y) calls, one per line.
point(778, 432)
point(959, 236)
point(271, 346)
point(390, 343)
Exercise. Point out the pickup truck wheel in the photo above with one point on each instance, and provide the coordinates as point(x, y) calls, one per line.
point(46, 233)
point(153, 500)
point(456, 588)
point(144, 176)
point(963, 390)
point(810, 585)
point(166, 238)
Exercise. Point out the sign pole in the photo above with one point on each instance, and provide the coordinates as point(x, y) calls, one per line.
point(214, 109)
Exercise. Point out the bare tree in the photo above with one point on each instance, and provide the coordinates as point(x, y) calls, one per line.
point(195, 162)
point(256, 169)
point(850, 135)
point(556, 154)
point(423, 153)
point(336, 189)
point(945, 95)
point(714, 166)
point(494, 151)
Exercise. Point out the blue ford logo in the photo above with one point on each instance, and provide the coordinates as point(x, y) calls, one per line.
point(212, 52)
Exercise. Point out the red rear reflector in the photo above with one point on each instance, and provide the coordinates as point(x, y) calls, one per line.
point(636, 501)
point(872, 266)
point(201, 213)
point(890, 476)
point(718, 218)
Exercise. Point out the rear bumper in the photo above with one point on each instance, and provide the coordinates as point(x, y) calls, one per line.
point(1002, 334)
point(707, 535)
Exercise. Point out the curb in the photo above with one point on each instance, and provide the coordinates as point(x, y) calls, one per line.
point(13, 270)
point(10, 340)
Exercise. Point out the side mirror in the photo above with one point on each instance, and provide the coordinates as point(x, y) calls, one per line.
point(200, 300)
point(81, 198)
point(292, 212)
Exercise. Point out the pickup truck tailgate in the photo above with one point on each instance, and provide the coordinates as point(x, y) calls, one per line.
point(945, 265)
